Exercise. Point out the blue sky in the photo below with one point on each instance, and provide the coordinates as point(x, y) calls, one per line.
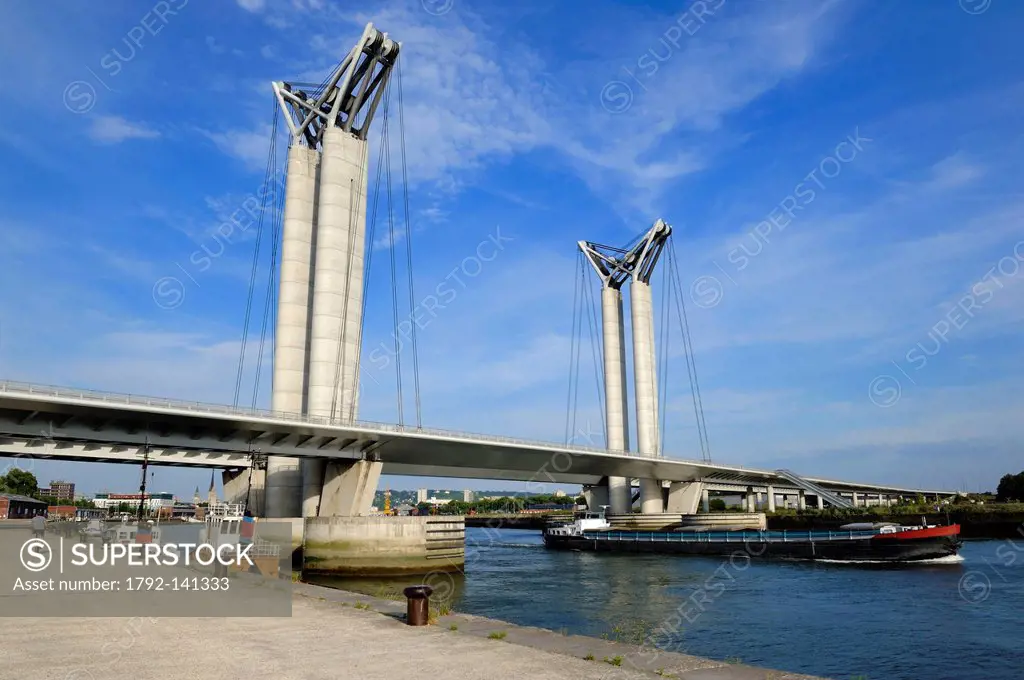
point(843, 179)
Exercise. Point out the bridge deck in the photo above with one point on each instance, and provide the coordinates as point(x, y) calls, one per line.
point(58, 422)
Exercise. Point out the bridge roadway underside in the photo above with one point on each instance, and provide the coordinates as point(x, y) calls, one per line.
point(104, 429)
point(40, 428)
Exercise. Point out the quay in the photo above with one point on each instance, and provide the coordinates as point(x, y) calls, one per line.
point(331, 634)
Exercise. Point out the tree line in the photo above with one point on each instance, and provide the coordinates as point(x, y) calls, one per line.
point(24, 483)
point(1011, 488)
point(506, 504)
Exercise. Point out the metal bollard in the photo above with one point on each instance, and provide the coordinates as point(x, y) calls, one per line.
point(418, 610)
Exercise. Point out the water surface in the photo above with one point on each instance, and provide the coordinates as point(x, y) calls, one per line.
point(961, 621)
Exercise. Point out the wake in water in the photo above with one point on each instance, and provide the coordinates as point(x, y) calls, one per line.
point(948, 559)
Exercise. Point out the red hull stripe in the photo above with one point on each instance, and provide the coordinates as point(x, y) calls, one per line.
point(934, 532)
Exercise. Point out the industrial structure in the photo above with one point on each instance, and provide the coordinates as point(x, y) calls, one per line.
point(320, 300)
point(614, 267)
point(310, 456)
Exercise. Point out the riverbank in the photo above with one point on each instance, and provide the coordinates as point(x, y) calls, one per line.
point(332, 633)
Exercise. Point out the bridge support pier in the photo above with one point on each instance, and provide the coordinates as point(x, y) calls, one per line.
point(240, 488)
point(771, 499)
point(821, 503)
point(856, 499)
point(349, 487)
point(685, 497)
point(801, 500)
point(597, 495)
point(750, 501)
point(705, 500)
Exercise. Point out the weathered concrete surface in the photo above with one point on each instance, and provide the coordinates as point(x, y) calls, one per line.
point(382, 546)
point(636, 661)
point(326, 637)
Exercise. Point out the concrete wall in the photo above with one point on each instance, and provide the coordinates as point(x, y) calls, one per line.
point(383, 546)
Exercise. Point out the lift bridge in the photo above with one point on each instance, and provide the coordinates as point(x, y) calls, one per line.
point(310, 454)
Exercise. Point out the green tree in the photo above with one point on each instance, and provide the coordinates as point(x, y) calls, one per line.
point(19, 482)
point(716, 505)
point(1011, 487)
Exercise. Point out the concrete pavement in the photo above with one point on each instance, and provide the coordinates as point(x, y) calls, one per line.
point(330, 635)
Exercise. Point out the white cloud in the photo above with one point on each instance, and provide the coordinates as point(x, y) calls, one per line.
point(249, 146)
point(252, 5)
point(115, 129)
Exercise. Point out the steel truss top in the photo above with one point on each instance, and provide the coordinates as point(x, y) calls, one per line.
point(349, 98)
point(616, 265)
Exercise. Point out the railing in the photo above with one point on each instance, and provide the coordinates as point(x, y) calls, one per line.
point(205, 408)
point(731, 536)
point(823, 493)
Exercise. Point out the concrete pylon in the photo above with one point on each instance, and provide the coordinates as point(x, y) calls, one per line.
point(336, 121)
point(615, 266)
point(613, 332)
point(291, 340)
point(643, 259)
point(337, 295)
point(646, 390)
point(615, 392)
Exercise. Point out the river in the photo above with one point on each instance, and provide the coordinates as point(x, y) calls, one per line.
point(962, 621)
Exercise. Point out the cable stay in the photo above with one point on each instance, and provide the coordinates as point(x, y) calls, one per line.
point(584, 306)
point(569, 412)
point(260, 223)
point(408, 246)
point(596, 347)
point(576, 369)
point(691, 366)
point(370, 240)
point(384, 183)
point(269, 308)
point(662, 370)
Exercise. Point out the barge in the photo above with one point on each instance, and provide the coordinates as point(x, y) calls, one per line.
point(869, 543)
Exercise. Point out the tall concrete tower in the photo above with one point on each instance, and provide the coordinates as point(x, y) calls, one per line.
point(641, 261)
point(615, 266)
point(612, 276)
point(283, 487)
point(321, 297)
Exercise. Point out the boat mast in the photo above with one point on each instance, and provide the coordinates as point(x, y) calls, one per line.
point(142, 485)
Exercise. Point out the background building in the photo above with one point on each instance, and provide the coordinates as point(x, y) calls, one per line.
point(154, 501)
point(421, 496)
point(59, 490)
point(467, 496)
point(15, 506)
point(61, 512)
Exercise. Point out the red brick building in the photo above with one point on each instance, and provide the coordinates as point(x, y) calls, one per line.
point(14, 506)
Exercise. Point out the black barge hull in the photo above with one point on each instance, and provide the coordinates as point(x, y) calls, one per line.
point(838, 548)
